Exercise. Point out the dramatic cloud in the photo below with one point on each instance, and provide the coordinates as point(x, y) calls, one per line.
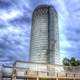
point(15, 25)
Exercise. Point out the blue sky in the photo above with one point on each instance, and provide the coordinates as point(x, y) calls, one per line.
point(15, 26)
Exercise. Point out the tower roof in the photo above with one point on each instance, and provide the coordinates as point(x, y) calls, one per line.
point(44, 6)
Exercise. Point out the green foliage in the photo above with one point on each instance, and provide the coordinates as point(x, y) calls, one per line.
point(71, 62)
point(66, 62)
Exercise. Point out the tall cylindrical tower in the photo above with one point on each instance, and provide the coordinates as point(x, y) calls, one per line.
point(44, 46)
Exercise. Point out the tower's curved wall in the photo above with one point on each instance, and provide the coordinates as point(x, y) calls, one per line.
point(44, 35)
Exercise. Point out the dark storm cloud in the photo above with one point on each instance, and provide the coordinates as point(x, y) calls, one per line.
point(20, 21)
point(4, 4)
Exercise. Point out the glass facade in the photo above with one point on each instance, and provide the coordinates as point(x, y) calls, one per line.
point(43, 35)
point(54, 56)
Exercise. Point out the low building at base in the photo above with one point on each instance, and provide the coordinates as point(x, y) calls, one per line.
point(21, 71)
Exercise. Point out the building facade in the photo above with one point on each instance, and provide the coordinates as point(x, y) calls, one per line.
point(44, 44)
point(21, 71)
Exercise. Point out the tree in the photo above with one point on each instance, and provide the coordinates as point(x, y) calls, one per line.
point(71, 62)
point(78, 62)
point(66, 62)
